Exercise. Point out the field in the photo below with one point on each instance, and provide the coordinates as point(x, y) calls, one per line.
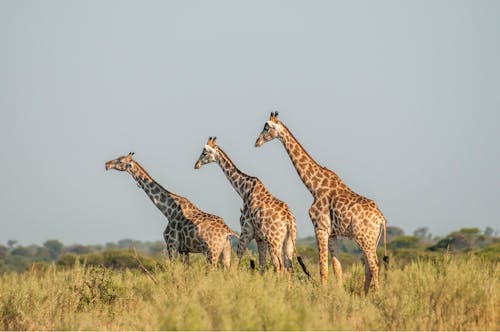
point(443, 293)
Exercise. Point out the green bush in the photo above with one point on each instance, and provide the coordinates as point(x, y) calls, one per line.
point(112, 258)
point(491, 252)
point(404, 241)
point(98, 287)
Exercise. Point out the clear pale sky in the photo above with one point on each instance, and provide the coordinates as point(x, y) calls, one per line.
point(400, 98)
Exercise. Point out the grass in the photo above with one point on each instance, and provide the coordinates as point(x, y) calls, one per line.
point(444, 293)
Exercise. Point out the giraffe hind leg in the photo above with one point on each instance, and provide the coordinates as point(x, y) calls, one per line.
point(371, 270)
point(225, 256)
point(262, 249)
point(277, 260)
point(288, 247)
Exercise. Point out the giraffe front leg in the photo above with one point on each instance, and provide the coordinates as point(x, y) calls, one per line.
point(337, 267)
point(245, 237)
point(212, 259)
point(320, 217)
point(246, 234)
point(262, 250)
point(225, 256)
point(171, 251)
point(171, 243)
point(322, 240)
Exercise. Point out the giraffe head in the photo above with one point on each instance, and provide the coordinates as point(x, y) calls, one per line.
point(121, 164)
point(209, 153)
point(272, 129)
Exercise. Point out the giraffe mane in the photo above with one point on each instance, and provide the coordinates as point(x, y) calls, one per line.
point(231, 161)
point(149, 177)
point(300, 145)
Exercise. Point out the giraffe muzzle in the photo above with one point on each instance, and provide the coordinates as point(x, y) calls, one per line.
point(259, 141)
point(197, 165)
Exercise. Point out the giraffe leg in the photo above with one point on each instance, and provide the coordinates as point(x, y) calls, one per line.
point(212, 258)
point(322, 240)
point(171, 243)
point(262, 249)
point(277, 260)
point(371, 270)
point(246, 236)
point(226, 254)
point(171, 251)
point(288, 248)
point(337, 267)
point(185, 258)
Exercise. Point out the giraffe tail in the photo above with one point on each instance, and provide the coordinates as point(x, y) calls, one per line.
point(304, 267)
point(230, 232)
point(299, 258)
point(385, 259)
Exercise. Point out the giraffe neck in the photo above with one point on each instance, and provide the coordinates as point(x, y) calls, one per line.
point(310, 172)
point(240, 181)
point(161, 197)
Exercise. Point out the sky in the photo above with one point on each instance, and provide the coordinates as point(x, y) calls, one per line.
point(400, 98)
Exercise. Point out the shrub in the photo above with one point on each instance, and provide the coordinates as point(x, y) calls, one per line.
point(97, 287)
point(111, 258)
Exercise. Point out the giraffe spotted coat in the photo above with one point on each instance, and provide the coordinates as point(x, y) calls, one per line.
point(189, 229)
point(336, 209)
point(263, 217)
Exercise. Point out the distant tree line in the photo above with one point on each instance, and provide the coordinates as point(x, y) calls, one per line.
point(18, 258)
point(15, 257)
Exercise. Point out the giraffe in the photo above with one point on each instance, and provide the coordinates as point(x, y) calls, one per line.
point(263, 217)
point(336, 210)
point(189, 229)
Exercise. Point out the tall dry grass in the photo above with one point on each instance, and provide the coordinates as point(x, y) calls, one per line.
point(448, 293)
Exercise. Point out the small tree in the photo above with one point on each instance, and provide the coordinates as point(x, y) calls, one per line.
point(404, 241)
point(55, 248)
point(423, 233)
point(11, 244)
point(489, 231)
point(394, 232)
point(3, 251)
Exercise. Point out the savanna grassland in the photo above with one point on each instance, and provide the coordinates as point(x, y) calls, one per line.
point(444, 292)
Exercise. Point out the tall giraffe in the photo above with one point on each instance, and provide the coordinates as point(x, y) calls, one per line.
point(263, 217)
point(336, 210)
point(189, 229)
